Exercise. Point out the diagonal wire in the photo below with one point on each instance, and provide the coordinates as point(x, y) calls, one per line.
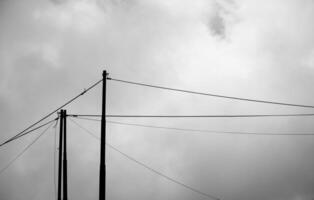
point(52, 112)
point(163, 175)
point(213, 95)
point(149, 168)
point(27, 132)
point(24, 150)
point(85, 129)
point(54, 160)
point(200, 130)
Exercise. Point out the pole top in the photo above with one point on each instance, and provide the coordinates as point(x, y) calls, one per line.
point(104, 73)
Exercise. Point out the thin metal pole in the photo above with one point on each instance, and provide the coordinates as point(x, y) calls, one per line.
point(65, 171)
point(102, 171)
point(60, 156)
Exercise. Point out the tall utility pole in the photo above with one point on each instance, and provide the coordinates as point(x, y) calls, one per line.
point(102, 172)
point(62, 171)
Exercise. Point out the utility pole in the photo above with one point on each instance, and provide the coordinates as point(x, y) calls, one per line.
point(60, 155)
point(62, 171)
point(65, 171)
point(102, 171)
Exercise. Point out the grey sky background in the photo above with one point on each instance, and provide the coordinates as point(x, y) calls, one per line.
point(51, 50)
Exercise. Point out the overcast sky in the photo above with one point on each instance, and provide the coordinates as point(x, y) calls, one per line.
point(51, 50)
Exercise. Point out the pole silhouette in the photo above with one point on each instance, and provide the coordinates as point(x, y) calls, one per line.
point(102, 170)
point(60, 156)
point(65, 171)
point(62, 170)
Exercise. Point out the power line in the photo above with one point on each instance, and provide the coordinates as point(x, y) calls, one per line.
point(24, 150)
point(163, 175)
point(52, 112)
point(202, 130)
point(213, 95)
point(208, 116)
point(150, 168)
point(85, 129)
point(27, 132)
point(199, 116)
point(54, 161)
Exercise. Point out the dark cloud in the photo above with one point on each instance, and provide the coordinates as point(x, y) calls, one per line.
point(58, 2)
point(217, 25)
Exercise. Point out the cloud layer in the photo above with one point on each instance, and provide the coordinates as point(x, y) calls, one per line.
point(51, 50)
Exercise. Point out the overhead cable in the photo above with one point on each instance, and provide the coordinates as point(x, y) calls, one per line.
point(150, 168)
point(163, 175)
point(202, 130)
point(197, 116)
point(208, 116)
point(52, 112)
point(85, 129)
point(24, 150)
point(27, 132)
point(213, 95)
point(54, 161)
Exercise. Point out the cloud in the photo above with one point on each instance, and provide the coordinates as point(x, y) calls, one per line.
point(82, 16)
point(50, 51)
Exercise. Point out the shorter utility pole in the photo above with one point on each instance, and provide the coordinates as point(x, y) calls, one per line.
point(65, 171)
point(60, 155)
point(62, 170)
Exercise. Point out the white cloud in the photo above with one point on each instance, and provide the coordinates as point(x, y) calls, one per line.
point(48, 52)
point(83, 16)
point(309, 60)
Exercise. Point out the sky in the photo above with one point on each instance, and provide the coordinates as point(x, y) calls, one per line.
point(51, 50)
